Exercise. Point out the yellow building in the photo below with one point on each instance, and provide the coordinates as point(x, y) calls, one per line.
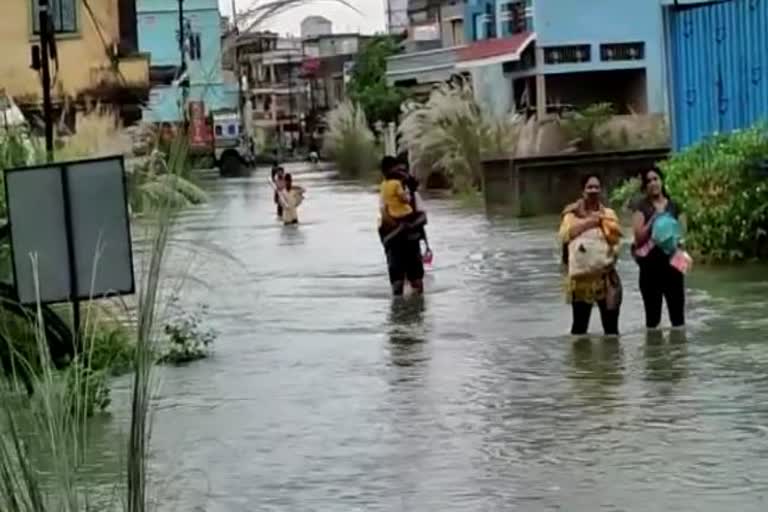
point(97, 46)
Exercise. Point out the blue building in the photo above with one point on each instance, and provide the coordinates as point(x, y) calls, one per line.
point(544, 53)
point(158, 30)
point(717, 63)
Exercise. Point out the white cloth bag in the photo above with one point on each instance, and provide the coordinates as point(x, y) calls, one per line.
point(589, 253)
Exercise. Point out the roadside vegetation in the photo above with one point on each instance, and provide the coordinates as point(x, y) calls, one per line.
point(721, 183)
point(368, 85)
point(350, 142)
point(451, 134)
point(46, 403)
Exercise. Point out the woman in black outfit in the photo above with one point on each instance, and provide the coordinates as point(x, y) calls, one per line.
point(659, 280)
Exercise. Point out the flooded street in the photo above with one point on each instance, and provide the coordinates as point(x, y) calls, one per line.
point(324, 394)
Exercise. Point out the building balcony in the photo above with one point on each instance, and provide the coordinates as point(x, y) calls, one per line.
point(430, 66)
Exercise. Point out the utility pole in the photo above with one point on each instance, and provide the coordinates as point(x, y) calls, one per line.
point(46, 44)
point(236, 50)
point(290, 99)
point(41, 61)
point(184, 81)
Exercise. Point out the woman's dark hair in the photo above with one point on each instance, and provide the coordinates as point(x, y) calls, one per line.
point(644, 180)
point(288, 181)
point(585, 179)
point(388, 163)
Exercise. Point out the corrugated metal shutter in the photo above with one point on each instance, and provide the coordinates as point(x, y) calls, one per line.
point(719, 65)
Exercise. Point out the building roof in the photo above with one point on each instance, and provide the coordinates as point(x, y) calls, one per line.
point(336, 35)
point(494, 51)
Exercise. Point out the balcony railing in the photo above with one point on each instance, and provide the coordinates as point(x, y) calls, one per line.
point(429, 66)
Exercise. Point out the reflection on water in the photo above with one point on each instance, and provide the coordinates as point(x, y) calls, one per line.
point(407, 334)
point(666, 355)
point(325, 394)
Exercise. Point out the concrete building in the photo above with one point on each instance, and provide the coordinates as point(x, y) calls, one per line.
point(98, 57)
point(270, 67)
point(313, 26)
point(525, 53)
point(328, 61)
point(396, 16)
point(158, 29)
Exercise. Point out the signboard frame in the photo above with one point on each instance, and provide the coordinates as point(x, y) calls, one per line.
point(74, 293)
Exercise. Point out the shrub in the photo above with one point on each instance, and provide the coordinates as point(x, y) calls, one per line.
point(111, 349)
point(349, 141)
point(580, 125)
point(451, 133)
point(624, 194)
point(719, 185)
point(186, 339)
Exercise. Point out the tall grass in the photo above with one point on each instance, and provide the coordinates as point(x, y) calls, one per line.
point(451, 133)
point(55, 423)
point(349, 141)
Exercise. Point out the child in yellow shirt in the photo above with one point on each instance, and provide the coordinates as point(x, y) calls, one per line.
point(394, 198)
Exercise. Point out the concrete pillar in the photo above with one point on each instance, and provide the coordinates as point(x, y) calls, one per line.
point(541, 86)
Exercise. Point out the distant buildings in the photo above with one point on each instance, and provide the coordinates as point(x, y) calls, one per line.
point(397, 16)
point(158, 30)
point(270, 68)
point(313, 26)
point(289, 83)
point(534, 54)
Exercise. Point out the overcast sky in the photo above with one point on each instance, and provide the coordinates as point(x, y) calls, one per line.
point(344, 19)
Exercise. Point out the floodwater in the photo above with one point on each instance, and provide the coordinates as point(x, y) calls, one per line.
point(324, 394)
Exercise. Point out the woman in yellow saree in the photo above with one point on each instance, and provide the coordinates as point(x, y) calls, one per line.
point(590, 236)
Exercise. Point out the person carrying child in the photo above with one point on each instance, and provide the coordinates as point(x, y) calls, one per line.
point(400, 228)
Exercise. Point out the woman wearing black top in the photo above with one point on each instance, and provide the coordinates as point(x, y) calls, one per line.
point(659, 280)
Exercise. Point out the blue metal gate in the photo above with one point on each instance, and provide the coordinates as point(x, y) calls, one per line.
point(718, 61)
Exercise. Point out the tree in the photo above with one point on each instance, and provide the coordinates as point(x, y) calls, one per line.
point(368, 85)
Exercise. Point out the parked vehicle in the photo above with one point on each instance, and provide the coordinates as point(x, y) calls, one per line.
point(233, 148)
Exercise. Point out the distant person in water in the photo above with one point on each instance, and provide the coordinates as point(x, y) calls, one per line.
point(400, 229)
point(291, 198)
point(278, 180)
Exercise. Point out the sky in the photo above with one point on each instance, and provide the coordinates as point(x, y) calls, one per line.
point(344, 19)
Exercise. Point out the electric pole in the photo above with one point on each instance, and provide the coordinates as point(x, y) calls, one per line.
point(184, 80)
point(46, 44)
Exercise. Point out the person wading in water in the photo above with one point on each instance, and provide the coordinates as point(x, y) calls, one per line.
point(278, 181)
point(590, 236)
point(290, 198)
point(400, 229)
point(659, 278)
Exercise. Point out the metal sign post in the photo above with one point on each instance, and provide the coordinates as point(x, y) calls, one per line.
point(70, 232)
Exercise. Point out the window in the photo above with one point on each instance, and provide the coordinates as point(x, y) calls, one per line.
point(195, 49)
point(457, 32)
point(567, 54)
point(490, 22)
point(514, 17)
point(63, 14)
point(219, 131)
point(477, 27)
point(622, 51)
